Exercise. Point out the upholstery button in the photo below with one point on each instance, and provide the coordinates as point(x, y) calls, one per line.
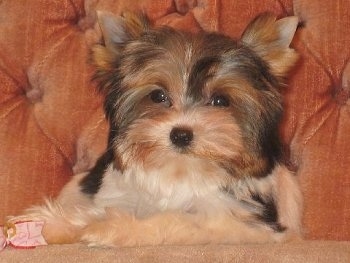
point(346, 77)
point(343, 94)
point(34, 95)
point(33, 90)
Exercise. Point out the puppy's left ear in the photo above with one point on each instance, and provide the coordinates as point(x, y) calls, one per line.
point(270, 39)
point(116, 31)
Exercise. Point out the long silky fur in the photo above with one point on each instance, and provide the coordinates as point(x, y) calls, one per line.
point(228, 185)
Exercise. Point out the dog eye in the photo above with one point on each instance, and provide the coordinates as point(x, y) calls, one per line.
point(159, 96)
point(219, 101)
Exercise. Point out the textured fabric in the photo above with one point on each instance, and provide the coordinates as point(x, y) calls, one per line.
point(45, 98)
point(51, 121)
point(310, 252)
point(317, 123)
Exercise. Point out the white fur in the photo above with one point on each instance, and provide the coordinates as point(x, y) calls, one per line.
point(166, 195)
point(194, 211)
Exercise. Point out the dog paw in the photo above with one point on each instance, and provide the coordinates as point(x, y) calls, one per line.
point(102, 234)
point(117, 230)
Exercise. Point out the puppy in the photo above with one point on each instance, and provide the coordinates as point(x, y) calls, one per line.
point(194, 155)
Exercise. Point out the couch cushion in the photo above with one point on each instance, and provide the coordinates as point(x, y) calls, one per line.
point(310, 252)
point(46, 97)
point(317, 123)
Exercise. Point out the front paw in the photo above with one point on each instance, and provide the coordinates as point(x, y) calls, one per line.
point(106, 234)
point(98, 235)
point(117, 230)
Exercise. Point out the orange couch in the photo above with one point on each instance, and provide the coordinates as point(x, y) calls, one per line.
point(52, 125)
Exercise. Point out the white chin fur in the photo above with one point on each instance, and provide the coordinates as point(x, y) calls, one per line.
point(179, 185)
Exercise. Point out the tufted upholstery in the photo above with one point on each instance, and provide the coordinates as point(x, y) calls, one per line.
point(52, 125)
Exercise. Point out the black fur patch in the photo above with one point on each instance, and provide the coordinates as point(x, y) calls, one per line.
point(92, 182)
point(270, 213)
point(199, 75)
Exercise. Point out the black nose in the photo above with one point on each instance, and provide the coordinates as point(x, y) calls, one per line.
point(181, 137)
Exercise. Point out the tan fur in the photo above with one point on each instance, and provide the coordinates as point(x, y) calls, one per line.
point(264, 36)
point(68, 221)
point(224, 187)
point(102, 58)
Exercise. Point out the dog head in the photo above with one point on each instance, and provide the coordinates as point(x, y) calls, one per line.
point(179, 102)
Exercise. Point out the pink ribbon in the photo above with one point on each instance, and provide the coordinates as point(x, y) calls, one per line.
point(25, 234)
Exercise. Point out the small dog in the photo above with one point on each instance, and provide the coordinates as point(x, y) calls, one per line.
point(193, 155)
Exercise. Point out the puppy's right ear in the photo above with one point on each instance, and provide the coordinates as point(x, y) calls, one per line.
point(116, 32)
point(270, 39)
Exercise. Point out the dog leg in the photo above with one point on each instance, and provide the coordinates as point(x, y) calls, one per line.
point(64, 217)
point(171, 228)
